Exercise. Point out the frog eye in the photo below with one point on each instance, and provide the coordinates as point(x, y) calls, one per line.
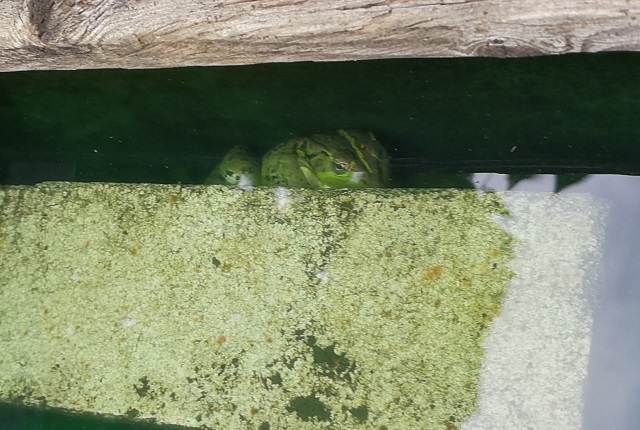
point(338, 168)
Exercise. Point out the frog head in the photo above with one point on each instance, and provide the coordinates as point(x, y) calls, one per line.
point(346, 159)
point(238, 167)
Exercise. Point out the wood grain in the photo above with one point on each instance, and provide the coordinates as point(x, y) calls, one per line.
point(76, 34)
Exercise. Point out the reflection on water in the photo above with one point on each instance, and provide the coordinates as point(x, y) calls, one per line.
point(612, 395)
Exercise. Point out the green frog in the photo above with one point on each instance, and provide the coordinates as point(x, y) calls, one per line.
point(345, 159)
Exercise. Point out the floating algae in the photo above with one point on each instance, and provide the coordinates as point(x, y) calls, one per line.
point(214, 307)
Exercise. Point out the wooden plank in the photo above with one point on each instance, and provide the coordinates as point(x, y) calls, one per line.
point(74, 34)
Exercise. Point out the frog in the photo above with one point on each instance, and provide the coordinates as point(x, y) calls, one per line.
point(238, 167)
point(343, 159)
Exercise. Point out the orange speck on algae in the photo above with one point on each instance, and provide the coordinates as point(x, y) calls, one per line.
point(174, 199)
point(432, 274)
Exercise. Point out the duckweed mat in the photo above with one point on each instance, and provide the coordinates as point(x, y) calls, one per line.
point(209, 306)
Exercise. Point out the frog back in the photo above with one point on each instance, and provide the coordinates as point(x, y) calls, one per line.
point(281, 166)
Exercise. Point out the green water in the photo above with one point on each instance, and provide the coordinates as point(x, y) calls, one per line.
point(569, 114)
point(14, 418)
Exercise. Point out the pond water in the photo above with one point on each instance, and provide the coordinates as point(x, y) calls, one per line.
point(562, 124)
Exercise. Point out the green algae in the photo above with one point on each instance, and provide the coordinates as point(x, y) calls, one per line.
point(271, 308)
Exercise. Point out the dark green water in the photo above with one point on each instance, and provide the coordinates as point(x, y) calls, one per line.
point(569, 114)
point(21, 418)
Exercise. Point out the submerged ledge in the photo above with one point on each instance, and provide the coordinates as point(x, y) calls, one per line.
point(209, 306)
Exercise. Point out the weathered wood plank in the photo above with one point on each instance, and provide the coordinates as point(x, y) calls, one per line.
point(70, 34)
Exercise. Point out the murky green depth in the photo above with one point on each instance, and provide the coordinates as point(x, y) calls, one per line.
point(574, 113)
